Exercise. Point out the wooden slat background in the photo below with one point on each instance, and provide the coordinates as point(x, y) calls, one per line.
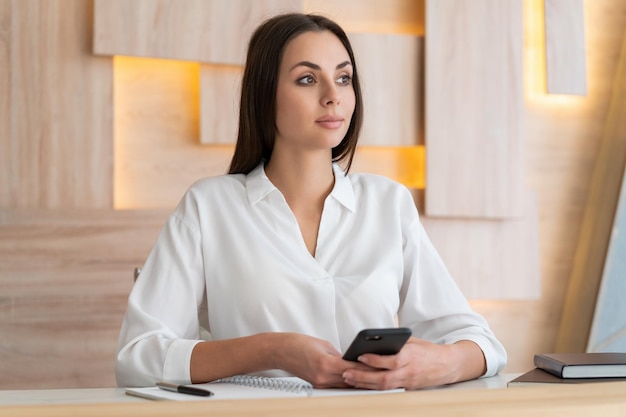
point(390, 68)
point(65, 278)
point(491, 259)
point(53, 77)
point(6, 157)
point(67, 247)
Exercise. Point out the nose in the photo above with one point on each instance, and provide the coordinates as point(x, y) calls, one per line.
point(330, 95)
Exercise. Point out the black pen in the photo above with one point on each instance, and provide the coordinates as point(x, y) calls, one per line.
point(184, 389)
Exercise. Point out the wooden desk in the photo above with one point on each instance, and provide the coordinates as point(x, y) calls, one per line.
point(115, 395)
point(599, 399)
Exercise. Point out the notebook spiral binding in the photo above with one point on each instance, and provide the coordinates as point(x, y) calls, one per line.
point(280, 384)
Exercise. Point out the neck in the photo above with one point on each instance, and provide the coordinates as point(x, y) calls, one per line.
point(301, 180)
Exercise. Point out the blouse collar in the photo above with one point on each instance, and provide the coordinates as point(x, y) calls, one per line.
point(258, 186)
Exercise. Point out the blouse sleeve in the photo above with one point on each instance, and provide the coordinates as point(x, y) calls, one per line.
point(432, 305)
point(160, 330)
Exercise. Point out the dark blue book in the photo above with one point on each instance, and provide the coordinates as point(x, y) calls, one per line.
point(583, 365)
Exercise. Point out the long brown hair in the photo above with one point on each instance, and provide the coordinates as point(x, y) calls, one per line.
point(257, 113)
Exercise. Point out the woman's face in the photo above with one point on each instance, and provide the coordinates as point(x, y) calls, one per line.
point(314, 97)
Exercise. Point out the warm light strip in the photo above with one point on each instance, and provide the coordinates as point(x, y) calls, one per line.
point(534, 48)
point(403, 164)
point(156, 113)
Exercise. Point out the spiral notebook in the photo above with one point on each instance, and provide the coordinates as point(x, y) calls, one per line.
point(248, 387)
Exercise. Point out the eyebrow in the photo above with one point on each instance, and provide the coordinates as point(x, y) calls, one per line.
point(317, 67)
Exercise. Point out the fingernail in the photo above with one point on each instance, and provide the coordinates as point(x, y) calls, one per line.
point(347, 375)
point(363, 359)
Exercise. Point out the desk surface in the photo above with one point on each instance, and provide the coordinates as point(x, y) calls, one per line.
point(467, 399)
point(116, 395)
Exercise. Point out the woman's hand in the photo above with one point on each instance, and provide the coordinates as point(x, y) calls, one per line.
point(419, 364)
point(314, 360)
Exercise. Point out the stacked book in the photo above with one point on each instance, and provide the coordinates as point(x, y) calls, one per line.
point(574, 368)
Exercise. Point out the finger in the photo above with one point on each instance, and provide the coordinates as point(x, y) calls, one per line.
point(357, 365)
point(376, 380)
point(336, 382)
point(380, 361)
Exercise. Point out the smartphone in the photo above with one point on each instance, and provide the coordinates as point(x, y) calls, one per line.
point(387, 341)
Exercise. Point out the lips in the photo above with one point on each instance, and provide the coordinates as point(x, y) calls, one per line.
point(330, 122)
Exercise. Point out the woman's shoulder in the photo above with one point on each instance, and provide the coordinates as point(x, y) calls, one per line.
point(210, 191)
point(379, 191)
point(209, 194)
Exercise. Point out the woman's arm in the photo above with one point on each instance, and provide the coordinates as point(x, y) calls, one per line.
point(309, 358)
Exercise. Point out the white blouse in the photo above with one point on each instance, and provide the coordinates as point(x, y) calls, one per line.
point(231, 260)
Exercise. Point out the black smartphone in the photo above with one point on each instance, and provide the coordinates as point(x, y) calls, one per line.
point(387, 341)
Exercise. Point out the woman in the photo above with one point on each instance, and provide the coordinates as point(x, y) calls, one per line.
point(286, 258)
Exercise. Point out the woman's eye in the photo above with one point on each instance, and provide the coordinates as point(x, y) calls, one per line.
point(306, 80)
point(344, 80)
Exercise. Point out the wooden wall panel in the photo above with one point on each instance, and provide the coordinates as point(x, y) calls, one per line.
point(60, 122)
point(212, 31)
point(6, 158)
point(65, 278)
point(220, 93)
point(373, 16)
point(47, 344)
point(602, 201)
point(391, 72)
point(474, 108)
point(491, 259)
point(566, 71)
